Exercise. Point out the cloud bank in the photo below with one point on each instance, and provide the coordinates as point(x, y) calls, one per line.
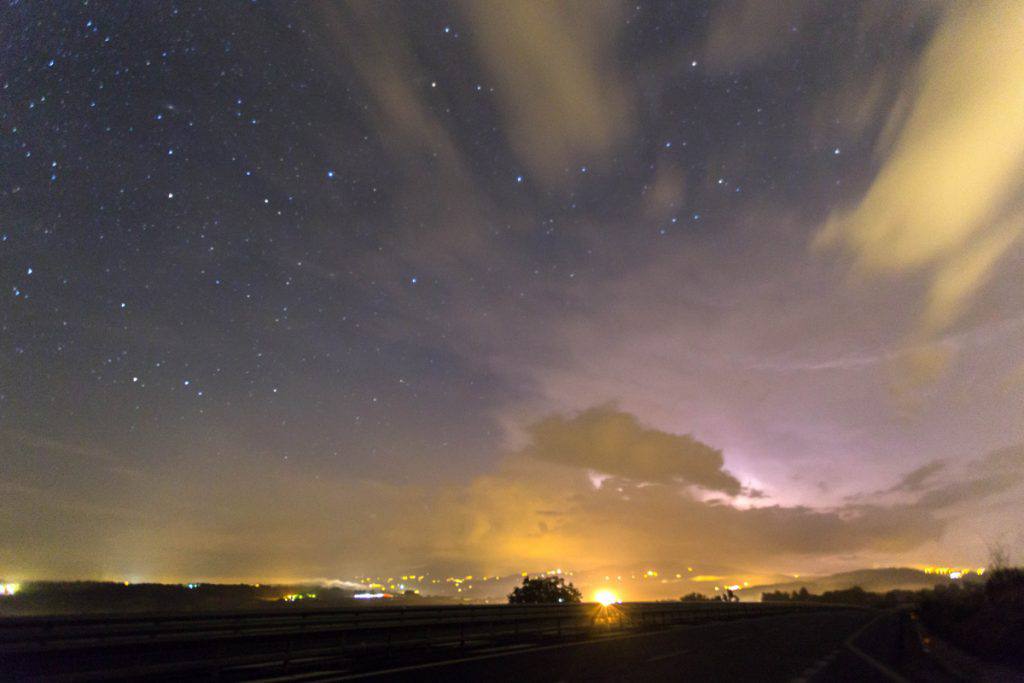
point(538, 509)
point(613, 442)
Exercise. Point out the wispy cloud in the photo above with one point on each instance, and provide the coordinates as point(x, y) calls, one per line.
point(947, 197)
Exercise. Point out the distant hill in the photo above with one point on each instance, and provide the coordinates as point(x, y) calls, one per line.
point(105, 597)
point(871, 580)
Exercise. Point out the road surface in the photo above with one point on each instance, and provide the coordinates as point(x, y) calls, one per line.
point(780, 648)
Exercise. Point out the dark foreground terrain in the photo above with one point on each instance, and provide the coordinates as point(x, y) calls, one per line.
point(641, 641)
point(778, 648)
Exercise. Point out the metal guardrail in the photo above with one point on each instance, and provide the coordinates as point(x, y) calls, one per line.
point(210, 642)
point(52, 629)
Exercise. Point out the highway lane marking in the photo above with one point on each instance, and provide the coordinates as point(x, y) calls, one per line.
point(879, 666)
point(812, 671)
point(503, 649)
point(476, 658)
point(298, 678)
point(543, 648)
point(667, 656)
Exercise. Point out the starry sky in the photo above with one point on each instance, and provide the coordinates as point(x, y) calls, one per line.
point(299, 290)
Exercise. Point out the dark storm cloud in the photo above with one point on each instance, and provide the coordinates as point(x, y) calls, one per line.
point(613, 442)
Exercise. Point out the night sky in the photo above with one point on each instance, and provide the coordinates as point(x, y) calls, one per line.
point(319, 290)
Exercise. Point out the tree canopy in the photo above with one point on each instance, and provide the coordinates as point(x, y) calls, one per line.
point(544, 590)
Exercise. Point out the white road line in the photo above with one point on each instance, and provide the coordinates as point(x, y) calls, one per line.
point(814, 669)
point(543, 648)
point(667, 656)
point(878, 666)
point(447, 662)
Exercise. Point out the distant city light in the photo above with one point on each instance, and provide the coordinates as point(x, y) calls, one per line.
point(8, 589)
point(370, 596)
point(949, 571)
point(294, 597)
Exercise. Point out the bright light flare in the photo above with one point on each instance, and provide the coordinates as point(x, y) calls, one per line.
point(606, 597)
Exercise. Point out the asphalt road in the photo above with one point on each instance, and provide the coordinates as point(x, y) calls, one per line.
point(781, 648)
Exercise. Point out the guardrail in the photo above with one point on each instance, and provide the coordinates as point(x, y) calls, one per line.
point(168, 643)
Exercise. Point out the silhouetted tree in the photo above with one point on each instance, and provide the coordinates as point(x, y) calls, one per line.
point(695, 597)
point(1006, 586)
point(775, 596)
point(544, 590)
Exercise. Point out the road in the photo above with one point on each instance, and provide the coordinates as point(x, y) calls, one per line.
point(637, 642)
point(779, 648)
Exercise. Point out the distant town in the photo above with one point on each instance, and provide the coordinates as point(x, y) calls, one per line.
point(64, 597)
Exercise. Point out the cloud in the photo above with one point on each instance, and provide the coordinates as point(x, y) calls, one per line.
point(750, 31)
point(552, 69)
point(938, 486)
point(613, 442)
point(917, 478)
point(562, 97)
point(946, 200)
point(219, 521)
point(995, 473)
point(545, 511)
